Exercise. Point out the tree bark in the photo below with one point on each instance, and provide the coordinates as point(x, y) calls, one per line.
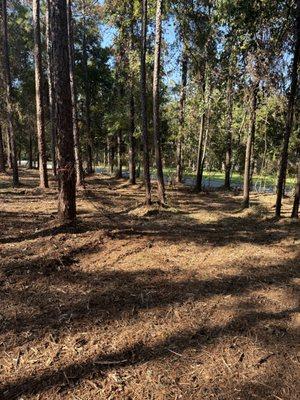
point(295, 212)
point(2, 159)
point(51, 92)
point(132, 141)
point(63, 106)
point(249, 146)
point(290, 116)
point(119, 155)
point(198, 185)
point(8, 148)
point(205, 141)
point(146, 165)
point(228, 155)
point(156, 104)
point(30, 156)
point(179, 167)
point(78, 161)
point(8, 97)
point(40, 116)
point(87, 107)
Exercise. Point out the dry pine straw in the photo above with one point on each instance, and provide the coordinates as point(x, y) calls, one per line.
point(198, 301)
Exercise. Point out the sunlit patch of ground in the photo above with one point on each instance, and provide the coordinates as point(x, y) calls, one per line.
point(196, 301)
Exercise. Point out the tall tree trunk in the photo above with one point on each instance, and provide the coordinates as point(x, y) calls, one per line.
point(198, 184)
point(132, 141)
point(144, 103)
point(63, 106)
point(40, 117)
point(156, 104)
point(228, 155)
point(290, 116)
point(51, 92)
point(205, 141)
point(119, 155)
point(8, 148)
point(112, 159)
point(78, 161)
point(2, 158)
point(295, 212)
point(87, 107)
point(30, 156)
point(8, 97)
point(179, 166)
point(249, 146)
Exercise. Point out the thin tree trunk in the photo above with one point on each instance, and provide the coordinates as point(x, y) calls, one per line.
point(295, 212)
point(51, 92)
point(249, 146)
point(30, 157)
point(112, 158)
point(8, 97)
point(198, 185)
point(179, 162)
point(205, 142)
point(119, 155)
point(2, 159)
point(8, 149)
point(132, 141)
point(228, 155)
point(290, 116)
point(40, 116)
point(63, 106)
point(156, 104)
point(87, 108)
point(78, 161)
point(144, 103)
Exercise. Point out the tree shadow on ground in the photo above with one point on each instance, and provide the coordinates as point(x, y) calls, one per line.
point(103, 296)
point(73, 373)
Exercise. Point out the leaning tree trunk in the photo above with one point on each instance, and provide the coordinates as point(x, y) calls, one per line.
point(295, 212)
point(249, 146)
point(78, 161)
point(40, 116)
point(87, 108)
point(51, 93)
point(63, 106)
point(156, 104)
point(290, 116)
point(8, 97)
point(144, 103)
point(228, 155)
point(179, 167)
point(2, 159)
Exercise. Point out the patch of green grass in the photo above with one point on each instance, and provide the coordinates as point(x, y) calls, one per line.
point(236, 178)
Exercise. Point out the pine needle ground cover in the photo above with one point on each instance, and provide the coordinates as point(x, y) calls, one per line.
point(196, 301)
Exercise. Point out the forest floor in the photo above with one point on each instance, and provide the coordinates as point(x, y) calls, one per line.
point(196, 301)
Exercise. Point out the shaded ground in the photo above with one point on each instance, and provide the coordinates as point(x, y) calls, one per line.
point(199, 301)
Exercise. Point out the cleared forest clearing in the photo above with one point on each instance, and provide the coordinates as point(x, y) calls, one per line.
point(196, 301)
